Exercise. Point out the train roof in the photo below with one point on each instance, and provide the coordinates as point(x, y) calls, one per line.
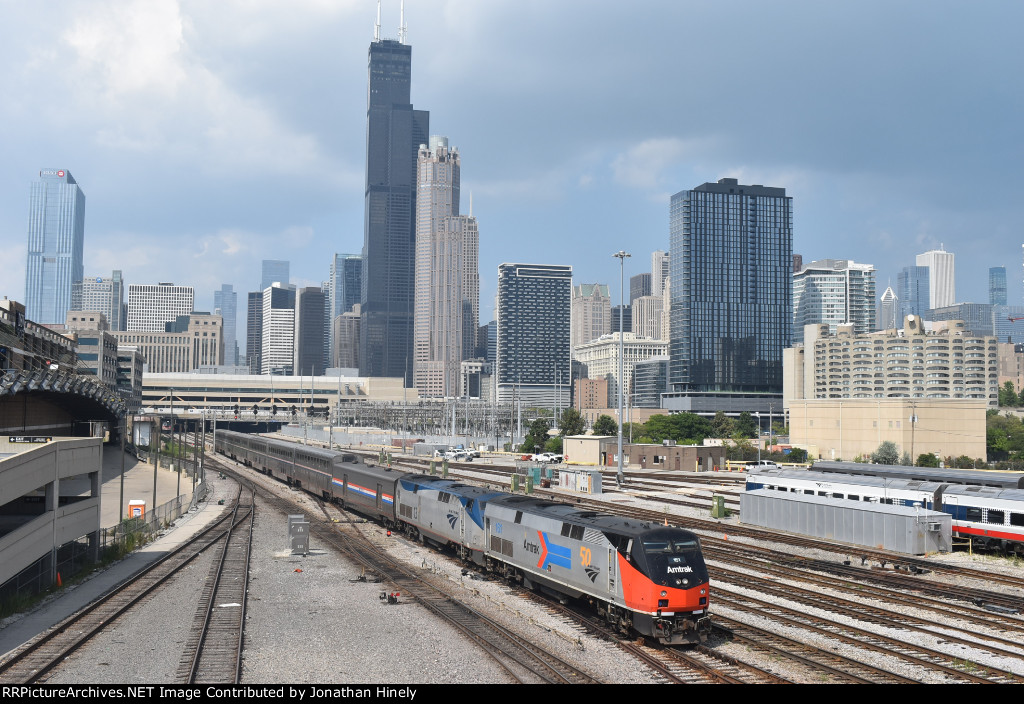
point(989, 492)
point(452, 486)
point(811, 476)
point(978, 477)
point(597, 520)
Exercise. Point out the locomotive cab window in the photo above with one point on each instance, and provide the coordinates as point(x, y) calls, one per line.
point(994, 517)
point(973, 514)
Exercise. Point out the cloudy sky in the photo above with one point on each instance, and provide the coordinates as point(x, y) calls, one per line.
point(208, 136)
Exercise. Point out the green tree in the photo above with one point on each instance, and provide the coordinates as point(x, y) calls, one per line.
point(746, 426)
point(605, 425)
point(554, 445)
point(722, 426)
point(927, 459)
point(887, 453)
point(536, 436)
point(798, 454)
point(571, 423)
point(1008, 396)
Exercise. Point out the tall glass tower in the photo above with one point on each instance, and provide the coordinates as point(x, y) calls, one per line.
point(997, 285)
point(394, 132)
point(56, 239)
point(731, 295)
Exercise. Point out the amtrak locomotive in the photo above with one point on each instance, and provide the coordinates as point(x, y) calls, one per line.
point(639, 576)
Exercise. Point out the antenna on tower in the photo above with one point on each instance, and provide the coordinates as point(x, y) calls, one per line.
point(403, 31)
point(471, 204)
point(376, 26)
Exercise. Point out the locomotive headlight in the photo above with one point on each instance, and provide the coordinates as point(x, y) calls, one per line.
point(664, 593)
point(702, 591)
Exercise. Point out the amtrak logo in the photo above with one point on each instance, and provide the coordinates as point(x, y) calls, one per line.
point(674, 570)
point(592, 572)
point(452, 520)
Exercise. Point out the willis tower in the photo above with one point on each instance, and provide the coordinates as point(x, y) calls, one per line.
point(394, 131)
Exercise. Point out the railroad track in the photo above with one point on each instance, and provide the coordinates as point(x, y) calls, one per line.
point(524, 661)
point(35, 660)
point(213, 654)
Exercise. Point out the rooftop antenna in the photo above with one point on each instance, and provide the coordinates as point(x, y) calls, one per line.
point(471, 204)
point(403, 31)
point(376, 26)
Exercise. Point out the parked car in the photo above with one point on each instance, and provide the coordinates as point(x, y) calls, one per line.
point(761, 464)
point(543, 457)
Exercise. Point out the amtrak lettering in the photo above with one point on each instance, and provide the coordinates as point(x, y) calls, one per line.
point(673, 570)
point(531, 547)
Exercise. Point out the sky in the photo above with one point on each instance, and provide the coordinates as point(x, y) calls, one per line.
point(208, 136)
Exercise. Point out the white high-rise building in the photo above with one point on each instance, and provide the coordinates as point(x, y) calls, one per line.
point(105, 294)
point(591, 312)
point(150, 307)
point(888, 310)
point(648, 317)
point(836, 292)
point(659, 271)
point(941, 275)
point(447, 300)
point(278, 348)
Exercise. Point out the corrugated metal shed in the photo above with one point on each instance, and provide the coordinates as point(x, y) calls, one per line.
point(902, 529)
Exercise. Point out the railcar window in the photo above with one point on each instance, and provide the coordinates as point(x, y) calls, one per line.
point(444, 497)
point(994, 517)
point(853, 497)
point(519, 517)
point(1017, 519)
point(973, 514)
point(822, 493)
point(809, 492)
point(838, 496)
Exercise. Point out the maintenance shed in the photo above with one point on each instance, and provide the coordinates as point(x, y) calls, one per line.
point(903, 529)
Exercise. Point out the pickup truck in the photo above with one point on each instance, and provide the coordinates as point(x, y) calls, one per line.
point(761, 464)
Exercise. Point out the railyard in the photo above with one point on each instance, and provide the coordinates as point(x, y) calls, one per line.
point(785, 609)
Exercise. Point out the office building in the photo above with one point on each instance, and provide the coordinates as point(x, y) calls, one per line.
point(278, 345)
point(184, 344)
point(997, 285)
point(447, 302)
point(254, 332)
point(274, 270)
point(152, 306)
point(650, 381)
point(978, 318)
point(941, 277)
point(56, 239)
point(649, 317)
point(913, 291)
point(225, 304)
point(95, 346)
point(346, 340)
point(534, 302)
point(394, 132)
point(591, 312)
point(639, 285)
point(104, 294)
point(345, 287)
point(1008, 323)
point(888, 311)
point(659, 271)
point(308, 355)
point(622, 318)
point(731, 296)
point(601, 358)
point(834, 291)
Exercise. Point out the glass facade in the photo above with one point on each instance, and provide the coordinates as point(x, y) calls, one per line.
point(731, 289)
point(394, 132)
point(56, 239)
point(274, 270)
point(912, 290)
point(997, 285)
point(834, 291)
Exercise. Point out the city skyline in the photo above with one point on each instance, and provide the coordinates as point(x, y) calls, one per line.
point(880, 148)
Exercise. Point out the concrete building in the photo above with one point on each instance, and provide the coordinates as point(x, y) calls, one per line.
point(345, 287)
point(95, 346)
point(189, 342)
point(278, 346)
point(601, 357)
point(649, 317)
point(103, 294)
point(847, 428)
point(944, 361)
point(56, 240)
point(130, 366)
point(152, 306)
point(659, 271)
point(836, 292)
point(254, 332)
point(941, 276)
point(731, 296)
point(394, 131)
point(346, 339)
point(591, 313)
point(590, 393)
point(534, 302)
point(447, 300)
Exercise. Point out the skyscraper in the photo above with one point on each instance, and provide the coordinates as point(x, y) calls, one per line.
point(394, 131)
point(997, 285)
point(591, 312)
point(639, 285)
point(274, 270)
point(941, 277)
point(447, 279)
point(151, 306)
point(346, 283)
point(56, 239)
point(254, 333)
point(912, 291)
point(834, 291)
point(731, 295)
point(278, 348)
point(308, 356)
point(659, 271)
point(888, 311)
point(105, 294)
point(225, 304)
point(533, 356)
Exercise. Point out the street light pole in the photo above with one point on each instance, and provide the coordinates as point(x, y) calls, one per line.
point(621, 256)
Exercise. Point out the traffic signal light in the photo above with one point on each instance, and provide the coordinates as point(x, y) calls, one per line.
point(255, 408)
point(273, 410)
point(295, 411)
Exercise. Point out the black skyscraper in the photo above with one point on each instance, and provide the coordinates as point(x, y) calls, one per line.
point(394, 132)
